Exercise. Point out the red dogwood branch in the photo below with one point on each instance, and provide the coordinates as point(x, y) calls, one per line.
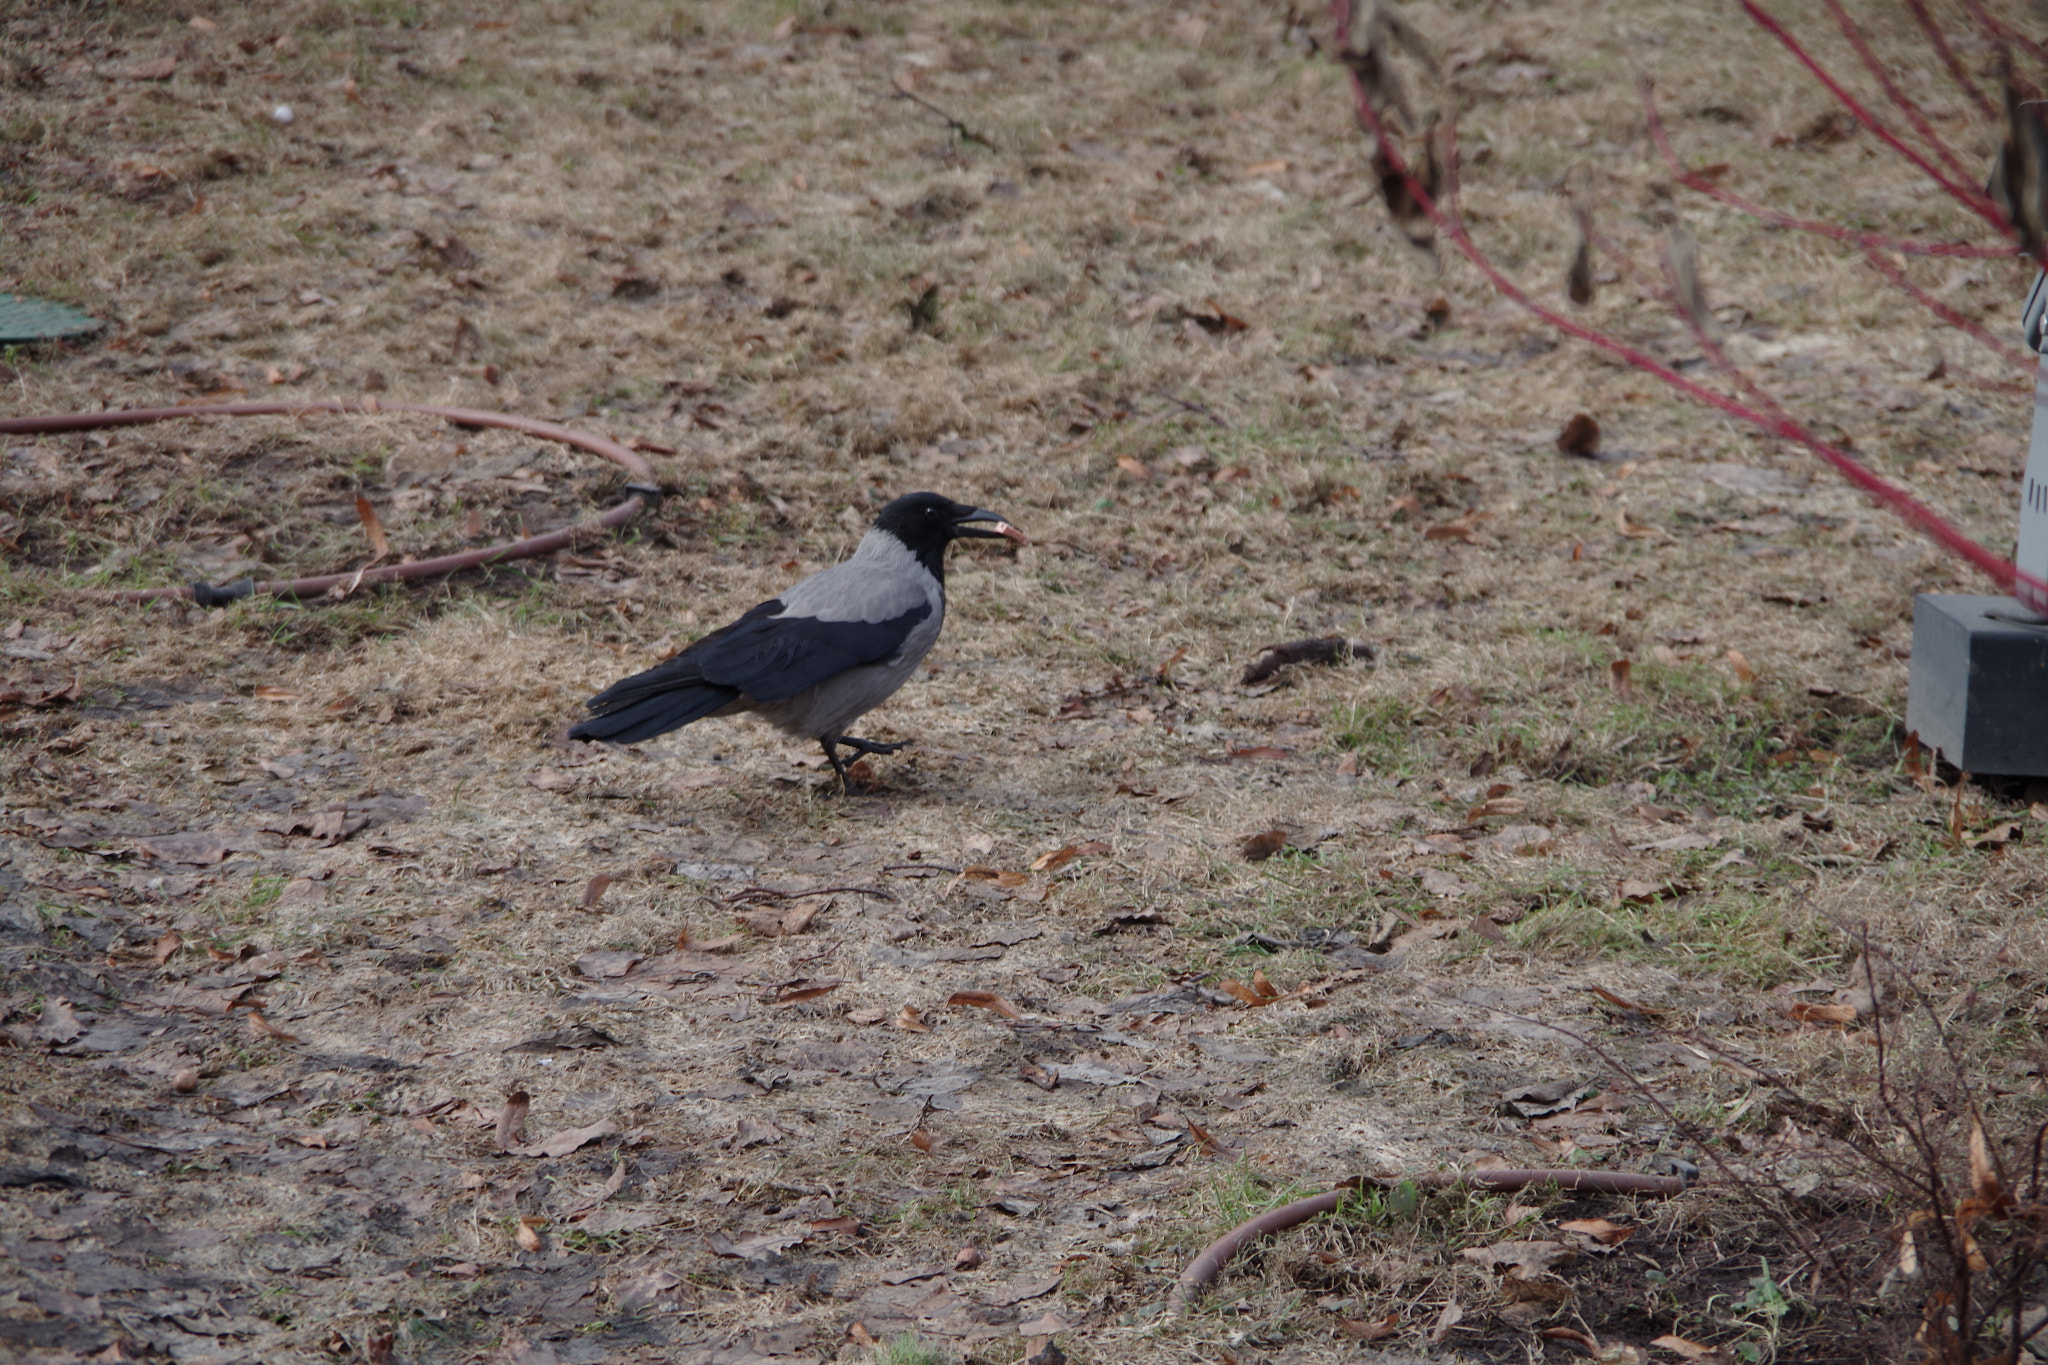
point(1999, 570)
point(1969, 196)
point(1939, 42)
point(1868, 240)
point(1900, 100)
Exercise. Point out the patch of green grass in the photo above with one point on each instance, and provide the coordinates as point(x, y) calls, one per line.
point(1381, 732)
point(1240, 1192)
point(1741, 935)
point(908, 1349)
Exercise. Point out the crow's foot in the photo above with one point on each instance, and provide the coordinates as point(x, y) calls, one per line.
point(871, 746)
point(859, 746)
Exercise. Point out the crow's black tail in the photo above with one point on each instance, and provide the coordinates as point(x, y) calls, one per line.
point(643, 706)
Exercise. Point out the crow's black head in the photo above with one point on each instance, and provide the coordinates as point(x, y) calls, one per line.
point(925, 522)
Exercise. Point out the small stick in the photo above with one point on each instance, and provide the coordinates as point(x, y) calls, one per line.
point(954, 125)
point(770, 893)
point(1197, 408)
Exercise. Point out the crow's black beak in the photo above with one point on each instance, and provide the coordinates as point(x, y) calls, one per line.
point(1002, 530)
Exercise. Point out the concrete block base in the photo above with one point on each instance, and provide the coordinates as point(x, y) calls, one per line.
point(1979, 684)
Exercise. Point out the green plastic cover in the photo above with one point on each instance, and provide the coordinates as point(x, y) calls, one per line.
point(26, 319)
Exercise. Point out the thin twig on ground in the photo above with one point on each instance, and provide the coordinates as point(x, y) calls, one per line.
point(953, 125)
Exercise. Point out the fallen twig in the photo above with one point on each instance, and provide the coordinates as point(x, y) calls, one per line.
point(643, 490)
point(965, 134)
point(754, 893)
point(1195, 408)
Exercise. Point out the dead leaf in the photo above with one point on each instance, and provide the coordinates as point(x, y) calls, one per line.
point(909, 1020)
point(195, 849)
point(1600, 1230)
point(1208, 1141)
point(747, 1248)
point(528, 1235)
point(1133, 466)
point(1621, 1002)
point(380, 544)
point(1055, 860)
point(1743, 672)
point(598, 966)
point(921, 1140)
point(1256, 752)
point(1438, 882)
point(1693, 1350)
point(165, 947)
point(551, 780)
point(779, 921)
point(1591, 1345)
point(1000, 876)
point(686, 944)
point(1633, 529)
point(1060, 857)
point(750, 1132)
point(1984, 1182)
point(263, 1028)
point(1523, 1288)
point(594, 890)
point(58, 1024)
point(512, 1120)
point(1378, 1329)
point(1241, 991)
point(162, 69)
point(266, 692)
point(1452, 1315)
point(1497, 806)
point(1618, 676)
point(1581, 436)
point(803, 993)
point(1811, 1012)
point(1532, 1258)
point(1259, 847)
point(985, 1000)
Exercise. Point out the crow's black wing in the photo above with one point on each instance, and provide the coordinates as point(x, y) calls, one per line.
point(772, 658)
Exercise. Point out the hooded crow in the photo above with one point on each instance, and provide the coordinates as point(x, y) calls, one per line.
point(828, 651)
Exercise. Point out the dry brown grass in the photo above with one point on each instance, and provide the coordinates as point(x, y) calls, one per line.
point(667, 222)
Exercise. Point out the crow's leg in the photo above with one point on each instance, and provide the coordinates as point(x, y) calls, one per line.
point(832, 743)
point(859, 746)
point(871, 746)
